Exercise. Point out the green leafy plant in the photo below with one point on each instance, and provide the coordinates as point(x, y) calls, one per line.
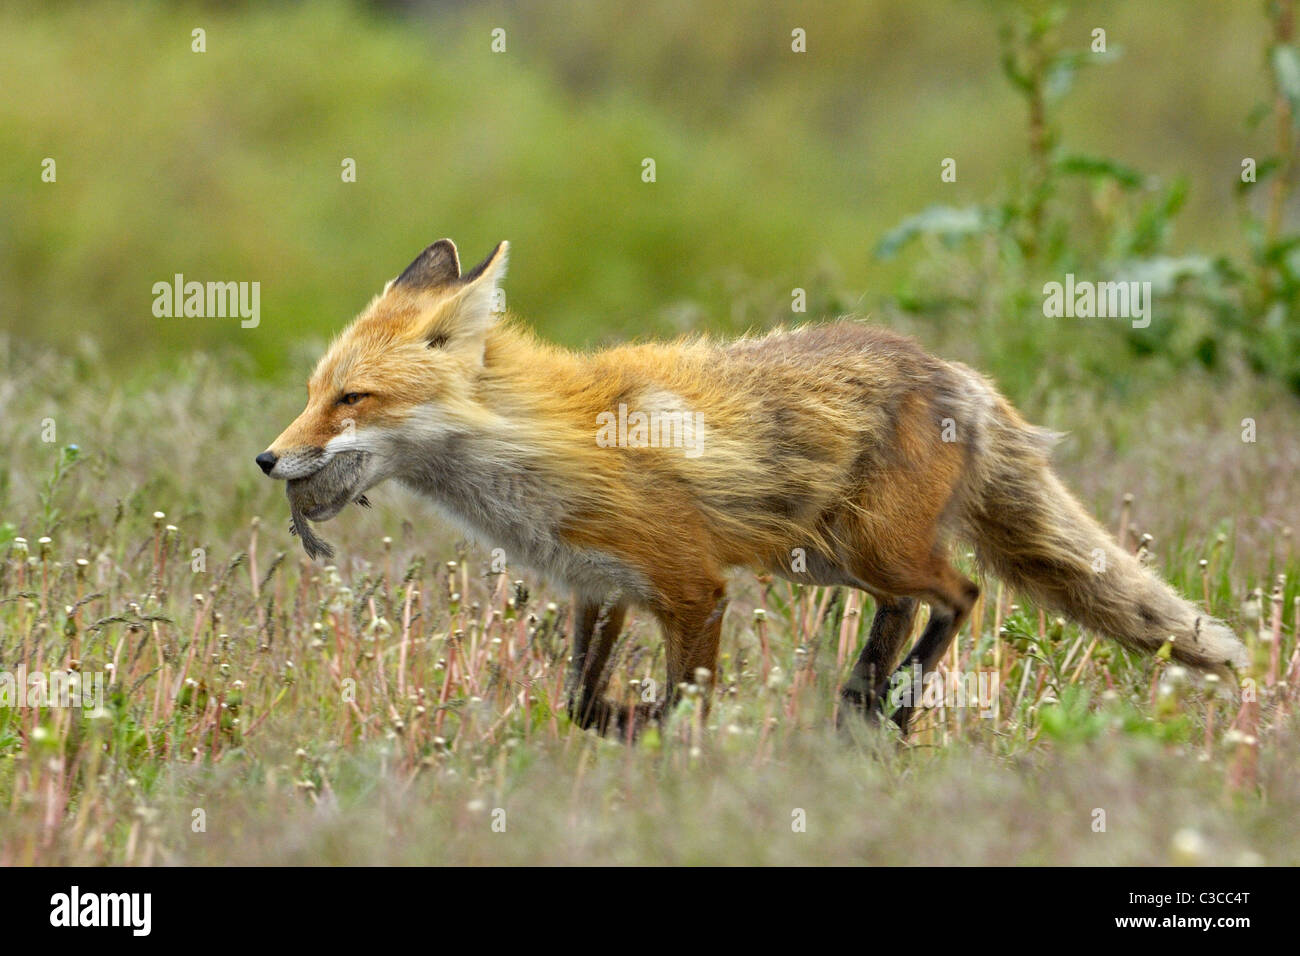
point(1213, 309)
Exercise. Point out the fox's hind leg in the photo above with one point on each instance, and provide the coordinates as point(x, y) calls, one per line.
point(896, 550)
point(596, 627)
point(864, 691)
point(951, 595)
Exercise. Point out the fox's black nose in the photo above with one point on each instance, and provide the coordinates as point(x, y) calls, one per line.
point(266, 461)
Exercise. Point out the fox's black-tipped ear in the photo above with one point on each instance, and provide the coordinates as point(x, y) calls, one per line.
point(461, 319)
point(500, 252)
point(436, 267)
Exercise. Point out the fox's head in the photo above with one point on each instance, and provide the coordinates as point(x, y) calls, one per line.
point(402, 372)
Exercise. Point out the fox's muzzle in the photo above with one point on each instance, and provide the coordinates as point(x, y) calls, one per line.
point(297, 463)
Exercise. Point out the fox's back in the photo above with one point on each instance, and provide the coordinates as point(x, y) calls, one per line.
point(791, 423)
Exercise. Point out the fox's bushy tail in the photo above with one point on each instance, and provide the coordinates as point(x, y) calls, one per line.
point(1028, 530)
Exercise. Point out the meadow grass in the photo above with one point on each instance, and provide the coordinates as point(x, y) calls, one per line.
point(405, 704)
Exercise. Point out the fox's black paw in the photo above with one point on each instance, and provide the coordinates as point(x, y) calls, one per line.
point(865, 705)
point(903, 718)
point(612, 720)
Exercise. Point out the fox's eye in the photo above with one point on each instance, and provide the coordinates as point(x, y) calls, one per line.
point(351, 398)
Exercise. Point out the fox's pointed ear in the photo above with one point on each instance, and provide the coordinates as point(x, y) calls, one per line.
point(464, 317)
point(436, 267)
point(495, 261)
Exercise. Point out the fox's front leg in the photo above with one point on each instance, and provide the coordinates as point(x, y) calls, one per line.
point(692, 623)
point(596, 627)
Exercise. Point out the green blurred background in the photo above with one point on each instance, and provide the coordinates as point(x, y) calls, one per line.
point(775, 170)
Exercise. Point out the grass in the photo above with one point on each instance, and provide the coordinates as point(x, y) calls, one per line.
point(406, 704)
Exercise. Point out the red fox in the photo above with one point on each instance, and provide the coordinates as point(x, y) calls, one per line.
point(834, 454)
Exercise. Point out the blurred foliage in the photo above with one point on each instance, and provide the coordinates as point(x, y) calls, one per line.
point(776, 170)
point(1098, 217)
